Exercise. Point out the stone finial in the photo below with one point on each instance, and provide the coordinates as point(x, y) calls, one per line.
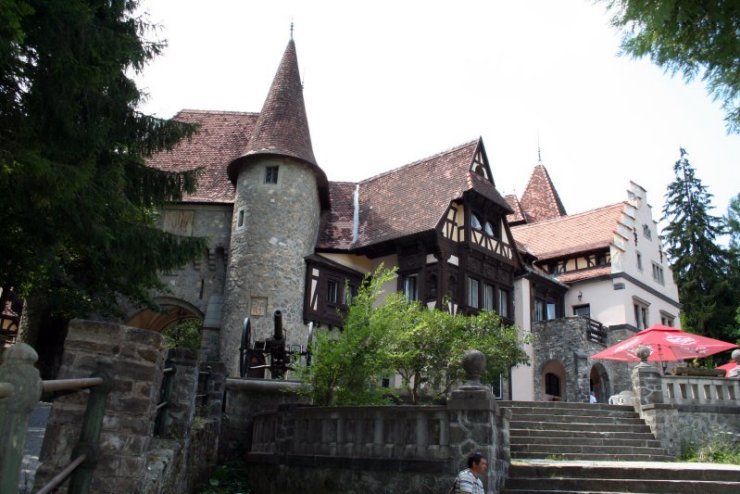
point(736, 356)
point(643, 352)
point(474, 362)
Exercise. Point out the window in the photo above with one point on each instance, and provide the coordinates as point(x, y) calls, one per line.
point(658, 273)
point(410, 287)
point(349, 292)
point(332, 292)
point(271, 175)
point(646, 232)
point(639, 261)
point(488, 229)
point(240, 221)
point(473, 293)
point(475, 222)
point(503, 303)
point(489, 302)
point(552, 384)
point(641, 315)
point(551, 311)
point(539, 309)
point(582, 310)
point(666, 319)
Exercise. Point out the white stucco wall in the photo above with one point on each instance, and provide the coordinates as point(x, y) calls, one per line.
point(522, 376)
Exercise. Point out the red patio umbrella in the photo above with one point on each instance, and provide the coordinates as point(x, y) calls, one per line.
point(728, 366)
point(667, 344)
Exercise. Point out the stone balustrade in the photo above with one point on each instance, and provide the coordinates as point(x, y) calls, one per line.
point(372, 432)
point(697, 390)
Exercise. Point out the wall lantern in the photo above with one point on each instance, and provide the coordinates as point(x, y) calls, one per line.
point(580, 296)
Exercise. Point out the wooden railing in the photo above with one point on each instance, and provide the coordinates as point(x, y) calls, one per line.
point(696, 390)
point(20, 390)
point(595, 331)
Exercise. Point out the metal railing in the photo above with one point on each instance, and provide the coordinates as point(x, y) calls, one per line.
point(20, 390)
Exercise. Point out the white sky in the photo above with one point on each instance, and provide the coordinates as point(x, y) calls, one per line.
point(390, 82)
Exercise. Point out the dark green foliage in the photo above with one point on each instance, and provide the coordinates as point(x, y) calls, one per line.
point(425, 347)
point(700, 265)
point(695, 38)
point(230, 478)
point(76, 199)
point(183, 334)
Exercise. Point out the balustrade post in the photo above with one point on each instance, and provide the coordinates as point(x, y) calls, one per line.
point(647, 382)
point(92, 423)
point(24, 381)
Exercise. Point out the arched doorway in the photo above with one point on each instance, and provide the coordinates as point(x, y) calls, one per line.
point(599, 383)
point(173, 311)
point(553, 381)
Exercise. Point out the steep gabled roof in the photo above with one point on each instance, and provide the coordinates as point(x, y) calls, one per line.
point(568, 235)
point(404, 201)
point(220, 138)
point(540, 200)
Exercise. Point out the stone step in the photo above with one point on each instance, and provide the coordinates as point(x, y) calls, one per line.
point(654, 486)
point(562, 405)
point(574, 418)
point(587, 427)
point(585, 411)
point(648, 442)
point(601, 434)
point(559, 449)
point(545, 455)
point(626, 470)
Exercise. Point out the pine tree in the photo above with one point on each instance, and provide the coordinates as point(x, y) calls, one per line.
point(77, 201)
point(700, 265)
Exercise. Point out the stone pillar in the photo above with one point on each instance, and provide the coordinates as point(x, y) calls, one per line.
point(135, 357)
point(647, 382)
point(475, 421)
point(21, 390)
point(180, 409)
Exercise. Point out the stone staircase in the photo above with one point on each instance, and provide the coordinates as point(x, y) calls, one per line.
point(595, 448)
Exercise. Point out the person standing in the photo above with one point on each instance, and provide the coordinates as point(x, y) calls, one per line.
point(468, 481)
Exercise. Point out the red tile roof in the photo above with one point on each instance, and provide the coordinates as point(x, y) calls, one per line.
point(517, 216)
point(221, 137)
point(563, 236)
point(540, 200)
point(404, 201)
point(583, 274)
point(335, 231)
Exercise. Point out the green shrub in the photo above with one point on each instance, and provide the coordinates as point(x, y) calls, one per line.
point(230, 478)
point(183, 334)
point(719, 446)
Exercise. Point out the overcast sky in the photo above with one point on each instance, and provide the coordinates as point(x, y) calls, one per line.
point(390, 82)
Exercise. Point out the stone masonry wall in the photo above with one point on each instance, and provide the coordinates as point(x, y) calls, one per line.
point(266, 268)
point(135, 358)
point(565, 340)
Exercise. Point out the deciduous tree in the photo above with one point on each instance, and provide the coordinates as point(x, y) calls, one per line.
point(697, 38)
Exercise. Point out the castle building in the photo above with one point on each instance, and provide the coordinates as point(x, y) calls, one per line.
point(281, 236)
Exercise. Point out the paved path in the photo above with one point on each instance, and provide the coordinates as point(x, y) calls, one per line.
point(32, 450)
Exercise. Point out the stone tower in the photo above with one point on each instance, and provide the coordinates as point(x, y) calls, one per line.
point(280, 194)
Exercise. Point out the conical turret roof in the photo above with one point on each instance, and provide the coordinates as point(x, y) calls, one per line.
point(282, 127)
point(540, 200)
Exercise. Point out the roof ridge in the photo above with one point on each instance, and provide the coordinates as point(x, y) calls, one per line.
point(569, 216)
point(420, 161)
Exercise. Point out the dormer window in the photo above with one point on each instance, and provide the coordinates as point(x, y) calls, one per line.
point(271, 175)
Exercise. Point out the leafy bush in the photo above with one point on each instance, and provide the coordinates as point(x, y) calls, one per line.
point(425, 347)
point(183, 334)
